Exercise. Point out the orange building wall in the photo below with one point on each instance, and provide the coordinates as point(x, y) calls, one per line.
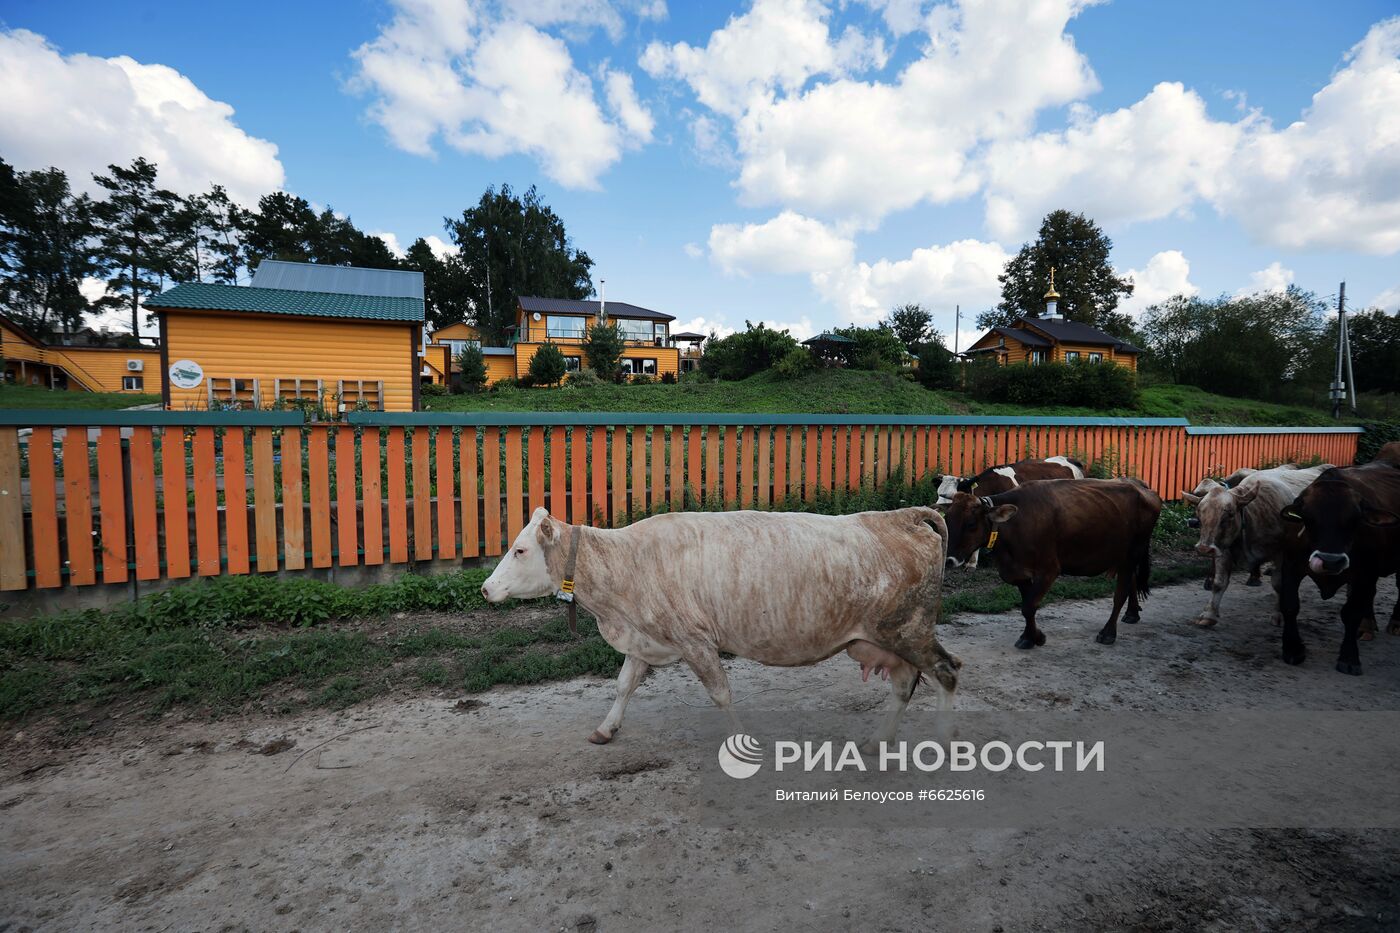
point(268, 347)
point(94, 369)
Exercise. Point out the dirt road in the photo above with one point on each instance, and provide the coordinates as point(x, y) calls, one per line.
point(495, 813)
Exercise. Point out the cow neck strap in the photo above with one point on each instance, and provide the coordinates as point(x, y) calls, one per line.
point(566, 587)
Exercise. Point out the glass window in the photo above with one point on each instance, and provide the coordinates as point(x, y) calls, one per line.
point(457, 346)
point(133, 383)
point(627, 365)
point(571, 364)
point(1071, 356)
point(649, 367)
point(661, 333)
point(635, 330)
point(564, 327)
point(1037, 356)
point(1095, 357)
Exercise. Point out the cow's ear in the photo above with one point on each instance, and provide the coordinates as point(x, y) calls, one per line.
point(541, 514)
point(547, 534)
point(1292, 512)
point(1190, 498)
point(1002, 513)
point(1380, 518)
point(1244, 495)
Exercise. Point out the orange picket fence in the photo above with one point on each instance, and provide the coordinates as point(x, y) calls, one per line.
point(111, 497)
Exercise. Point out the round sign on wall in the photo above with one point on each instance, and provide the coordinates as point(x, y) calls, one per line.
point(186, 374)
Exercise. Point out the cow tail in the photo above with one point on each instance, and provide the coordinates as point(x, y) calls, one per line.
point(1143, 579)
point(934, 519)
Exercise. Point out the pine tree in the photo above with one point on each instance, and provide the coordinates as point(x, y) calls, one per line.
point(134, 243)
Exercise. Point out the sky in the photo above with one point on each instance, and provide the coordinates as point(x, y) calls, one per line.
point(803, 163)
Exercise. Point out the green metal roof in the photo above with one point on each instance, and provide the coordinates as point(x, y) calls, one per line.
point(203, 296)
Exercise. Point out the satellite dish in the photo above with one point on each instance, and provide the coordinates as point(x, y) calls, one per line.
point(536, 315)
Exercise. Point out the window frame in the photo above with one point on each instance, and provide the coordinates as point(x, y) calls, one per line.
point(553, 332)
point(1035, 356)
point(640, 332)
point(1071, 356)
point(1095, 357)
point(572, 362)
point(137, 378)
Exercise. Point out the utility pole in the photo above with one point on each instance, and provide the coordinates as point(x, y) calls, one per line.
point(1339, 387)
point(957, 320)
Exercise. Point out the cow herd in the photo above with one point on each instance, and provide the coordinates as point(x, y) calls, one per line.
point(792, 589)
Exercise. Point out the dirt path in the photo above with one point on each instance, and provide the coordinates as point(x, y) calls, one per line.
point(500, 816)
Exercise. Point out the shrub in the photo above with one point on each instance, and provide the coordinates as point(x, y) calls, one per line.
point(1083, 385)
point(938, 368)
point(583, 379)
point(643, 379)
point(547, 366)
point(509, 383)
point(432, 390)
point(473, 365)
point(602, 349)
point(875, 348)
point(796, 364)
point(1378, 434)
point(752, 350)
point(668, 378)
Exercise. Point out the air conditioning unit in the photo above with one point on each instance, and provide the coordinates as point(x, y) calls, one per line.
point(135, 366)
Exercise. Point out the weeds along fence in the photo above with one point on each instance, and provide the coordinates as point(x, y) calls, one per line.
point(107, 497)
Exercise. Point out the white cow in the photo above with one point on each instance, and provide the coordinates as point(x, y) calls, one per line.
point(785, 589)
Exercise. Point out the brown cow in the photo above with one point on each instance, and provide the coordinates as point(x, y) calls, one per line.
point(1080, 527)
point(1007, 476)
point(1349, 534)
point(785, 589)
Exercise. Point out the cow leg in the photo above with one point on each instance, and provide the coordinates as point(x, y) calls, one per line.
point(903, 678)
point(972, 561)
point(633, 670)
point(1276, 581)
point(1209, 585)
point(1032, 591)
point(1360, 595)
point(1219, 584)
point(705, 662)
point(1394, 627)
point(1255, 577)
point(1109, 633)
point(1294, 652)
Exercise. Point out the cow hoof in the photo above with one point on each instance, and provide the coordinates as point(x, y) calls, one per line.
point(1026, 641)
point(1294, 656)
point(1206, 586)
point(599, 738)
point(1132, 619)
point(1254, 581)
point(1104, 638)
point(1206, 621)
point(1349, 667)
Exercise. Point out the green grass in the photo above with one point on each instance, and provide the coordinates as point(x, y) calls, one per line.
point(34, 397)
point(856, 392)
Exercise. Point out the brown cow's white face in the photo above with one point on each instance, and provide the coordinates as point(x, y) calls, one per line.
point(523, 573)
point(947, 488)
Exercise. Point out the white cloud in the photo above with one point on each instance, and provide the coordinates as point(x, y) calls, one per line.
point(777, 44)
point(694, 250)
point(391, 240)
point(1388, 300)
point(1274, 278)
point(80, 113)
point(1143, 162)
point(1166, 274)
point(440, 247)
point(938, 277)
point(1330, 180)
point(812, 137)
point(442, 71)
point(787, 244)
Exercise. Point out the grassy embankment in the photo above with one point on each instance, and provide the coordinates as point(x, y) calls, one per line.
point(34, 397)
point(861, 393)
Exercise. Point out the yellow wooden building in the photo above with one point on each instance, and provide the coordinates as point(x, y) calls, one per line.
point(74, 367)
point(1053, 340)
point(651, 350)
point(337, 335)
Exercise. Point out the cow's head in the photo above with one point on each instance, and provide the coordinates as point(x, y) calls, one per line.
point(947, 488)
point(1219, 515)
point(970, 522)
point(527, 570)
point(1332, 513)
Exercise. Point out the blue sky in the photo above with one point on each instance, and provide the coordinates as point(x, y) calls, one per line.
point(786, 160)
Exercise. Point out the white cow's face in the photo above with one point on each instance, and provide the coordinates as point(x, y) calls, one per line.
point(523, 572)
point(946, 489)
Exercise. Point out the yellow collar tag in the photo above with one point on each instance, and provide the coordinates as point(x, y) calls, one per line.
point(992, 541)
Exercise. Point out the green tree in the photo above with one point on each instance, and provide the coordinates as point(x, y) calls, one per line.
point(1375, 350)
point(754, 349)
point(938, 368)
point(602, 348)
point(445, 286)
point(547, 366)
point(133, 241)
point(286, 227)
point(204, 238)
point(911, 324)
point(513, 246)
point(472, 363)
point(1078, 251)
point(46, 249)
point(873, 347)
